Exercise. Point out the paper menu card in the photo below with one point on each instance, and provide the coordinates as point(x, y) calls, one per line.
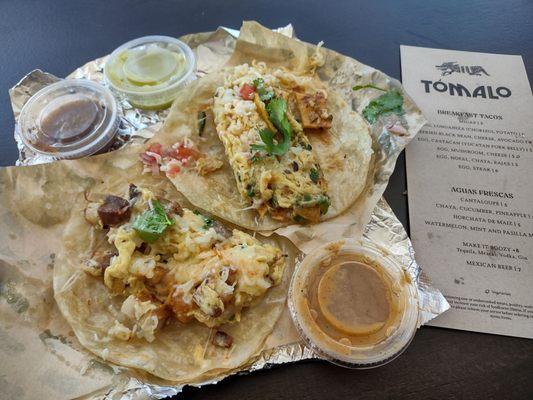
point(470, 185)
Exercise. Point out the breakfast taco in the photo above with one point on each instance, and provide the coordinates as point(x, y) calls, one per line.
point(264, 147)
point(146, 283)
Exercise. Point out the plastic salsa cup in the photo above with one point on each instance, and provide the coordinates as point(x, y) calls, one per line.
point(353, 305)
point(150, 71)
point(71, 118)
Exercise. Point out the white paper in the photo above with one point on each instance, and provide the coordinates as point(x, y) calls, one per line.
point(469, 178)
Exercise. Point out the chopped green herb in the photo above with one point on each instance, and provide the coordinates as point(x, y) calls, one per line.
point(269, 147)
point(274, 202)
point(277, 109)
point(208, 222)
point(277, 112)
point(369, 86)
point(151, 224)
point(250, 190)
point(390, 102)
point(321, 200)
point(324, 203)
point(201, 122)
point(306, 146)
point(256, 158)
point(298, 218)
point(314, 175)
point(262, 91)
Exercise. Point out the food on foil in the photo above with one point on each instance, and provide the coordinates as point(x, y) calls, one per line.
point(191, 352)
point(150, 71)
point(149, 284)
point(265, 147)
point(353, 305)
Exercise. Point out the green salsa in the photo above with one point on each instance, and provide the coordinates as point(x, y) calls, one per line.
point(146, 68)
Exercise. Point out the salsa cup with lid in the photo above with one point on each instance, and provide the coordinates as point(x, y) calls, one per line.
point(71, 118)
point(353, 305)
point(150, 71)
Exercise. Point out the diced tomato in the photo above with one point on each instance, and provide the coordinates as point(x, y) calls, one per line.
point(156, 148)
point(183, 154)
point(173, 169)
point(247, 92)
point(186, 152)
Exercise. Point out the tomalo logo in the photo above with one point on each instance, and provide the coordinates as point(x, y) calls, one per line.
point(448, 68)
point(471, 89)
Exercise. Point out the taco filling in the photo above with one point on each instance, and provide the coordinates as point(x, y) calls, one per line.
point(262, 118)
point(164, 261)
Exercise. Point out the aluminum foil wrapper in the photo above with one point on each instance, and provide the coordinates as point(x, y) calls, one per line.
point(212, 50)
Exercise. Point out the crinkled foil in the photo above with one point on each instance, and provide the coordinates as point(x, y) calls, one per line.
point(212, 50)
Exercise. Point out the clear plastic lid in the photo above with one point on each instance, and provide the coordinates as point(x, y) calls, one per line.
point(71, 118)
point(353, 305)
point(150, 71)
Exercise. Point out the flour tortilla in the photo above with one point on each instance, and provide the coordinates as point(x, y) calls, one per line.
point(180, 353)
point(344, 154)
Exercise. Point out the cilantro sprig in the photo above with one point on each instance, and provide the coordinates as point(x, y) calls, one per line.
point(269, 146)
point(388, 103)
point(208, 222)
point(250, 190)
point(277, 112)
point(322, 201)
point(152, 223)
point(369, 86)
point(314, 175)
point(262, 91)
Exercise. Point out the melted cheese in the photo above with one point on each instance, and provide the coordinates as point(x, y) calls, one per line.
point(191, 269)
point(125, 240)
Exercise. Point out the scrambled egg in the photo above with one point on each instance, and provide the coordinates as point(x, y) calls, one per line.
point(290, 186)
point(195, 270)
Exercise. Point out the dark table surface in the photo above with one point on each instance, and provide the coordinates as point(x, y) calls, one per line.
point(59, 36)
